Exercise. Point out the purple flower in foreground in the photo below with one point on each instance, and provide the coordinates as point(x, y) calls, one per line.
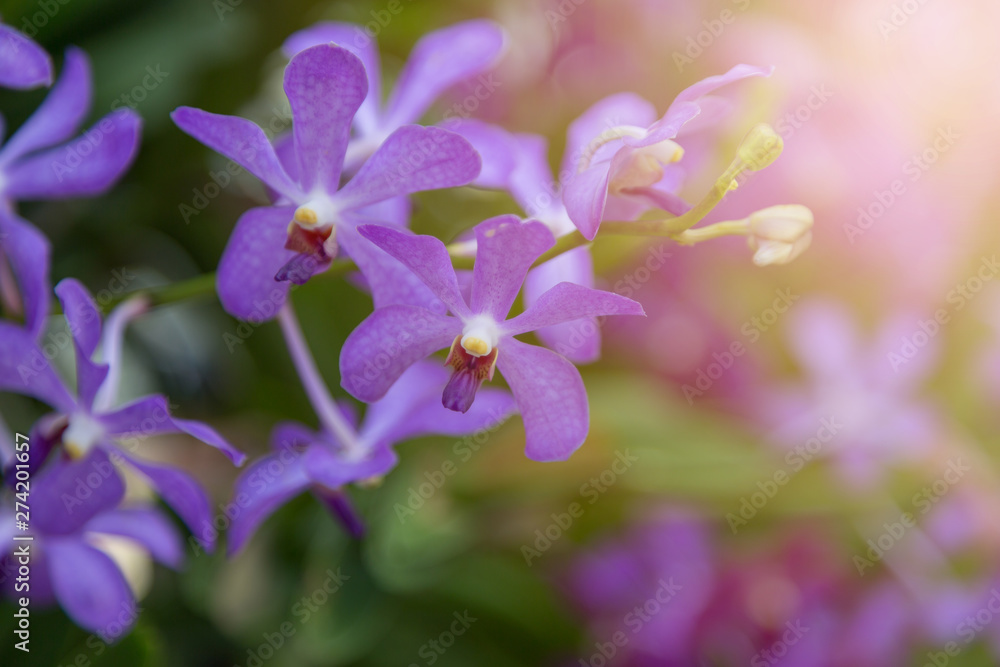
point(519, 164)
point(23, 64)
point(38, 162)
point(547, 388)
point(439, 61)
point(629, 159)
point(301, 234)
point(304, 460)
point(79, 569)
point(90, 427)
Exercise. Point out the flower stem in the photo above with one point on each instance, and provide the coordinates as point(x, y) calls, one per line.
point(326, 408)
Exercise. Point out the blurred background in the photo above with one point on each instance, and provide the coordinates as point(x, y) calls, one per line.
point(794, 465)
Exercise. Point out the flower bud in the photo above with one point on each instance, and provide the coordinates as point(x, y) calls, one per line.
point(761, 147)
point(779, 234)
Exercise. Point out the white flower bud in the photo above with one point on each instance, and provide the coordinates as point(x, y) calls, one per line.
point(779, 234)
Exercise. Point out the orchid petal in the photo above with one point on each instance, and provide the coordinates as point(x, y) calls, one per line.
point(388, 342)
point(325, 85)
point(254, 255)
point(261, 489)
point(567, 302)
point(579, 340)
point(426, 257)
point(150, 416)
point(90, 587)
point(23, 63)
point(24, 369)
point(354, 39)
point(440, 60)
point(29, 254)
point(146, 526)
point(60, 115)
point(550, 396)
point(84, 322)
point(67, 494)
point(412, 159)
point(84, 167)
point(241, 141)
point(506, 249)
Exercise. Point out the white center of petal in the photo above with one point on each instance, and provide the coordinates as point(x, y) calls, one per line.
point(81, 434)
point(480, 335)
point(319, 211)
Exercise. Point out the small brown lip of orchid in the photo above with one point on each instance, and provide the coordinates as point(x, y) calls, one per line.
point(308, 241)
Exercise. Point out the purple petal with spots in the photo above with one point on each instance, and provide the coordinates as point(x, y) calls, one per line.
point(390, 282)
point(506, 249)
point(265, 486)
point(242, 142)
point(29, 253)
point(60, 115)
point(579, 340)
point(67, 494)
point(412, 159)
point(151, 416)
point(90, 587)
point(254, 255)
point(388, 342)
point(550, 396)
point(84, 322)
point(440, 60)
point(146, 526)
point(25, 370)
point(23, 63)
point(356, 40)
point(184, 495)
point(567, 302)
point(425, 257)
point(84, 167)
point(325, 85)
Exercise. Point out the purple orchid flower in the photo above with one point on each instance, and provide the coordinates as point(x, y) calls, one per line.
point(858, 400)
point(301, 234)
point(547, 388)
point(76, 570)
point(39, 162)
point(629, 159)
point(90, 427)
point(439, 61)
point(304, 460)
point(519, 164)
point(23, 63)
